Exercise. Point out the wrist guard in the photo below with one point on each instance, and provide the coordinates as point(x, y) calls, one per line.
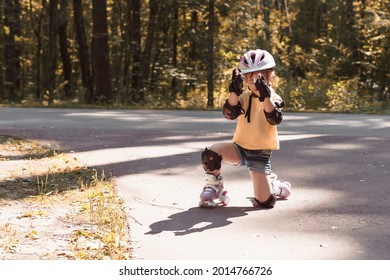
point(263, 89)
point(237, 83)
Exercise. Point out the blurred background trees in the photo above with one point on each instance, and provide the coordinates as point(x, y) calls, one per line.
point(331, 55)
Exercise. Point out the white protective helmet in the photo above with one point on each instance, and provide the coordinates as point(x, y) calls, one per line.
point(256, 60)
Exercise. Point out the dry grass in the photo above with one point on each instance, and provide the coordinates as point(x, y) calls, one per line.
point(51, 207)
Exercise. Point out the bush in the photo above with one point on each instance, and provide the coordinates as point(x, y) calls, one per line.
point(342, 96)
point(305, 94)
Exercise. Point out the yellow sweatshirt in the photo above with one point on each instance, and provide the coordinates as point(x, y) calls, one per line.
point(257, 134)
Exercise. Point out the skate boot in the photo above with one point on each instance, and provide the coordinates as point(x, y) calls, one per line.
point(279, 188)
point(213, 190)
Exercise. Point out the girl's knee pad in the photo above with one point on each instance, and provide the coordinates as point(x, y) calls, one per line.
point(211, 160)
point(269, 203)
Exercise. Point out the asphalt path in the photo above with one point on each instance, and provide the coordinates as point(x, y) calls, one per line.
point(338, 165)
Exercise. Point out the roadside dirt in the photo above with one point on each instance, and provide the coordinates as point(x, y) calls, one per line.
point(51, 207)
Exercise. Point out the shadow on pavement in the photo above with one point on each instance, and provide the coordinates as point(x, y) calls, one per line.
point(198, 219)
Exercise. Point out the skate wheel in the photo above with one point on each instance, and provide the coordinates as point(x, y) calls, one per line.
point(206, 204)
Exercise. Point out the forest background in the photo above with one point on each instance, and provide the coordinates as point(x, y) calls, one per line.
point(331, 55)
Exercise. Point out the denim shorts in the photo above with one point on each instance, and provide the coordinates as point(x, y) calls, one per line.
point(255, 160)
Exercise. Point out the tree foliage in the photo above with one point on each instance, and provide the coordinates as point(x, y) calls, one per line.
point(331, 55)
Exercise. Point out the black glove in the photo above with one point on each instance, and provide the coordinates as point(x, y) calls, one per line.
point(237, 83)
point(263, 89)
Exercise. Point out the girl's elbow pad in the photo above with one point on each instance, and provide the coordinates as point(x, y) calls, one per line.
point(232, 112)
point(275, 117)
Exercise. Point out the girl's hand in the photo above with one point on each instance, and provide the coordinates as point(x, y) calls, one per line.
point(262, 88)
point(237, 83)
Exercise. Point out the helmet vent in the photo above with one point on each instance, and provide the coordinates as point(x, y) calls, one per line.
point(253, 56)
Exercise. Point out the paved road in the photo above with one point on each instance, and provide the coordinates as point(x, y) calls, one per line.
point(338, 164)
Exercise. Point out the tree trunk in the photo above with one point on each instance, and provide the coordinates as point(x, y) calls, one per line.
point(265, 8)
point(85, 63)
point(51, 52)
point(2, 93)
point(100, 53)
point(161, 38)
point(12, 13)
point(146, 59)
point(1, 85)
point(210, 57)
point(174, 46)
point(287, 17)
point(136, 74)
point(193, 39)
point(37, 32)
point(146, 55)
point(63, 40)
point(127, 42)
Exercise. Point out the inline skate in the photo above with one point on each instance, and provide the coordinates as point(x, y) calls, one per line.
point(213, 193)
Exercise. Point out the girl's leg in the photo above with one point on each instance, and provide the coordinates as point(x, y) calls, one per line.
point(262, 189)
point(211, 161)
point(226, 151)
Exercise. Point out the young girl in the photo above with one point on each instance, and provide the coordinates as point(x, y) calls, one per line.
point(259, 112)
